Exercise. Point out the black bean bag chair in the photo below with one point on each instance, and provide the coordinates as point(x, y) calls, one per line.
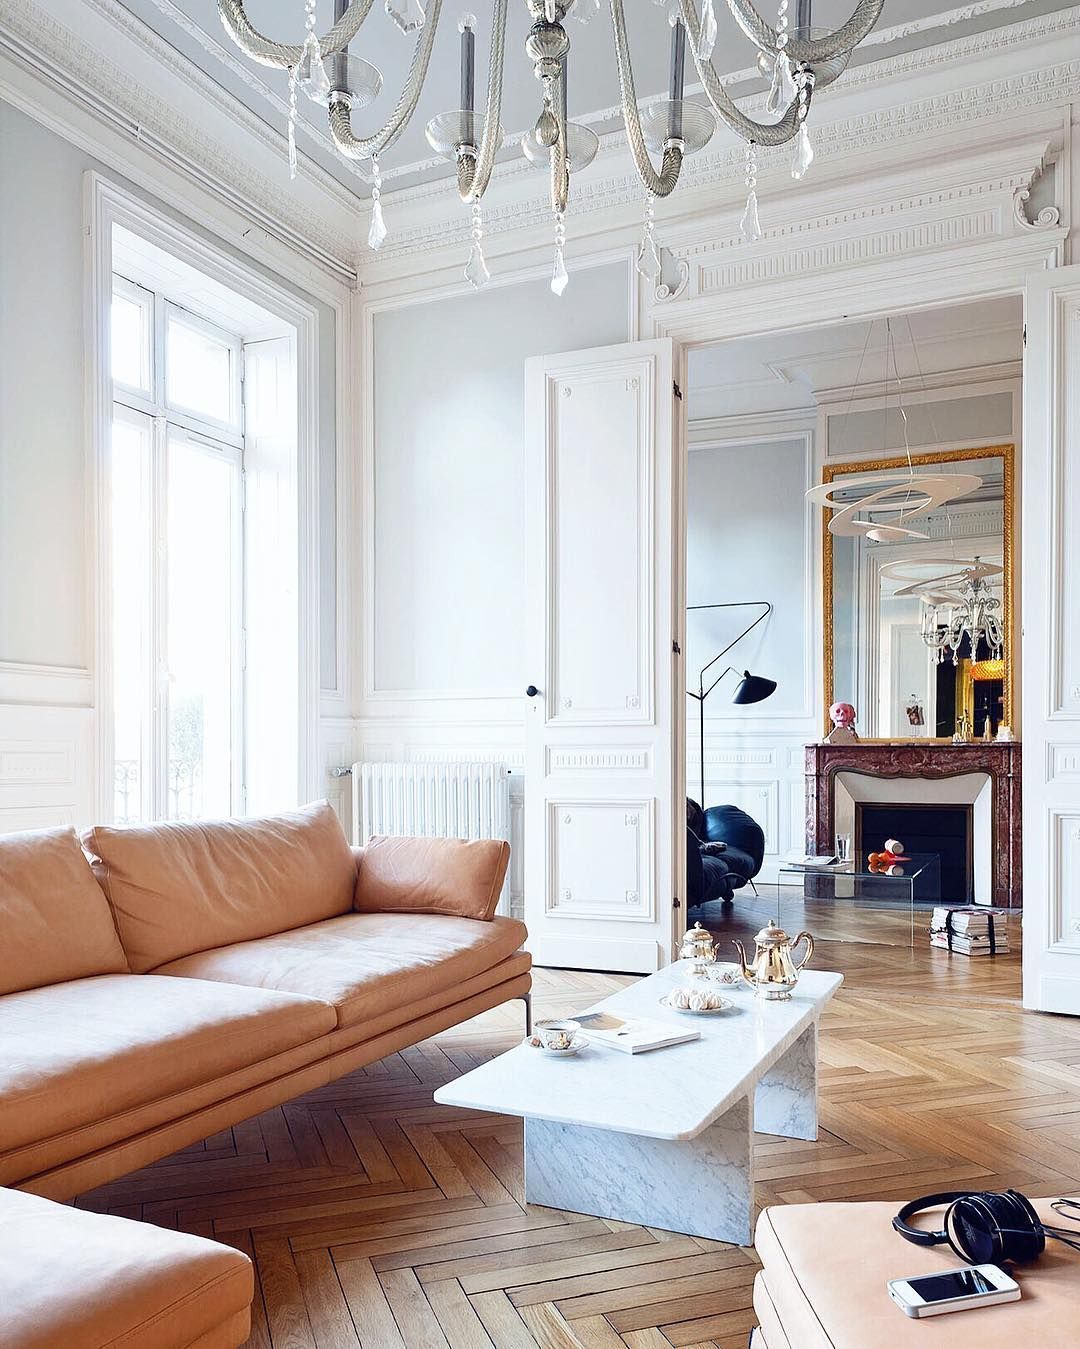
point(725, 848)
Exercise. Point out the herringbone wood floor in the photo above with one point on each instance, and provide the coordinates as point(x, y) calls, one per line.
point(377, 1218)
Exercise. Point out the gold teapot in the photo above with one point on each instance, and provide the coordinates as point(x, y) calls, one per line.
point(698, 946)
point(774, 973)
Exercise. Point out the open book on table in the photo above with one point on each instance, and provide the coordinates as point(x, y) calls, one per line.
point(634, 1035)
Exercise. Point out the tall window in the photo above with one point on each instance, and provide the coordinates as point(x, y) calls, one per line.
point(177, 477)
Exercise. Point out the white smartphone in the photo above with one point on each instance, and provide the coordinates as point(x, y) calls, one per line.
point(953, 1290)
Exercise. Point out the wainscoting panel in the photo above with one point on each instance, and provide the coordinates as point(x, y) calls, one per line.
point(591, 872)
point(46, 767)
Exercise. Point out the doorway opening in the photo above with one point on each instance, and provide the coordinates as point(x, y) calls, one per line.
point(854, 618)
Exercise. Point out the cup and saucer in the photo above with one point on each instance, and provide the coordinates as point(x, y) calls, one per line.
point(560, 1039)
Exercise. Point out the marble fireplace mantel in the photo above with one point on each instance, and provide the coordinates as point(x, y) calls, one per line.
point(917, 759)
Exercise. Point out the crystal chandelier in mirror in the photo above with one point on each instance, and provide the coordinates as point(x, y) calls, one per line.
point(957, 604)
point(797, 59)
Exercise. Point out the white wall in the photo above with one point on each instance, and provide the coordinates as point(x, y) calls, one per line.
point(43, 615)
point(448, 481)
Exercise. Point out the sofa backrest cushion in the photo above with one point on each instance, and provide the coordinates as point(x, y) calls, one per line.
point(55, 924)
point(181, 887)
point(454, 876)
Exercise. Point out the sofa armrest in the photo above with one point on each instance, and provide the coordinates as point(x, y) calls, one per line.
point(459, 877)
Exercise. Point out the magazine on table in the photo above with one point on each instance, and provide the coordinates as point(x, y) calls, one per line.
point(635, 1035)
point(811, 862)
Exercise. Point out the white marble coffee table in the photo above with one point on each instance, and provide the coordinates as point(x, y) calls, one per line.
point(664, 1138)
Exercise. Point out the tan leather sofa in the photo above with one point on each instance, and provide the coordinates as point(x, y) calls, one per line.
point(75, 1280)
point(203, 972)
point(824, 1268)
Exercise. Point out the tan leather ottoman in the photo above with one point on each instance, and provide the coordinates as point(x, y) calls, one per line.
point(76, 1280)
point(822, 1285)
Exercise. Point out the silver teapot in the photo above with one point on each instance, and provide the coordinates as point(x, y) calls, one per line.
point(773, 973)
point(698, 946)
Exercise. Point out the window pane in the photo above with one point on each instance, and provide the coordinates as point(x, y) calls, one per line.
point(199, 370)
point(131, 341)
point(131, 448)
point(202, 630)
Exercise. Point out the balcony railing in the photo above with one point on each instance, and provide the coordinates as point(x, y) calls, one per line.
point(185, 797)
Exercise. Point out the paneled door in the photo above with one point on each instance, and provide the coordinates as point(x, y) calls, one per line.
point(605, 596)
point(1050, 690)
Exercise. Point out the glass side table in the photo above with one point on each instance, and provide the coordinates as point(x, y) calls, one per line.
point(849, 902)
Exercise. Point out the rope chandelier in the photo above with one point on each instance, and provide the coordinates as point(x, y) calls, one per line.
point(798, 59)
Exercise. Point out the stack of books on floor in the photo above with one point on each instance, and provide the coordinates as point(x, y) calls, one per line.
point(974, 931)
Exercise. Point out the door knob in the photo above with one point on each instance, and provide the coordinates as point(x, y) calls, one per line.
point(531, 691)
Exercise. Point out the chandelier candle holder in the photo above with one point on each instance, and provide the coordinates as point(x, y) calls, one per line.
point(796, 60)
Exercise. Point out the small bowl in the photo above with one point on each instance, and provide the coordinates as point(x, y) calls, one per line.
point(729, 975)
point(555, 1033)
point(574, 1047)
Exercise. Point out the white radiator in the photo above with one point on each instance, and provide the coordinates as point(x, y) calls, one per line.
point(433, 800)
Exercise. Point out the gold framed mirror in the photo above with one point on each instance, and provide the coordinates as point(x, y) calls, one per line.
point(890, 604)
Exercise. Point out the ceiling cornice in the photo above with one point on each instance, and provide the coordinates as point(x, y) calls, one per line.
point(612, 183)
point(75, 68)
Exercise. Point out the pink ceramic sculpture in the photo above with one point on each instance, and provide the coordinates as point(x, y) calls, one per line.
point(843, 720)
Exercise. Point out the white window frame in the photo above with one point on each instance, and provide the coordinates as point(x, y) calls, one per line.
point(108, 205)
point(144, 298)
point(232, 426)
point(167, 422)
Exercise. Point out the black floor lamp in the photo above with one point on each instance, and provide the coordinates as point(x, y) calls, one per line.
point(750, 688)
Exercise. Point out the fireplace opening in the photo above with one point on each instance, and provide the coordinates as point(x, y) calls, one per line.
point(944, 829)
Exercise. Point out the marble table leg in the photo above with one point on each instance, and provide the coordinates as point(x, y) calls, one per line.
point(702, 1186)
point(785, 1102)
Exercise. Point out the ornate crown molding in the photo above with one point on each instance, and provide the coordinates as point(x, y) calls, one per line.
point(892, 124)
point(56, 54)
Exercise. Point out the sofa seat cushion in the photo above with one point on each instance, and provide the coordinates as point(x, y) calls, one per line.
point(825, 1267)
point(55, 923)
point(365, 964)
point(85, 1051)
point(186, 886)
point(86, 1281)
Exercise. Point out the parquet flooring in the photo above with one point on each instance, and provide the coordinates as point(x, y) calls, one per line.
point(377, 1218)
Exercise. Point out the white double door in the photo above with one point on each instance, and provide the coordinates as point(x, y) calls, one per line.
point(604, 801)
point(1050, 690)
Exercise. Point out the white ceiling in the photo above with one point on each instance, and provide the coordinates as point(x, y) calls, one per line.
point(193, 28)
point(791, 371)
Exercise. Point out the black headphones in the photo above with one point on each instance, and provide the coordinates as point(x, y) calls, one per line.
point(988, 1226)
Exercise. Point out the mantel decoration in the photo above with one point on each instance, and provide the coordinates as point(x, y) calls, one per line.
point(796, 59)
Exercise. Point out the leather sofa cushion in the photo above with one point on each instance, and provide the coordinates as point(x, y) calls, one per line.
point(365, 964)
point(86, 1281)
point(55, 923)
point(177, 888)
point(88, 1050)
point(453, 876)
point(825, 1267)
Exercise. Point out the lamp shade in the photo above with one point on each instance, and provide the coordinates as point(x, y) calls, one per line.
point(753, 688)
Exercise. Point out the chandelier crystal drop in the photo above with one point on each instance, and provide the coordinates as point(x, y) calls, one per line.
point(647, 261)
point(476, 270)
point(292, 122)
point(750, 225)
point(782, 89)
point(660, 137)
point(377, 232)
point(560, 277)
point(707, 40)
point(407, 14)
